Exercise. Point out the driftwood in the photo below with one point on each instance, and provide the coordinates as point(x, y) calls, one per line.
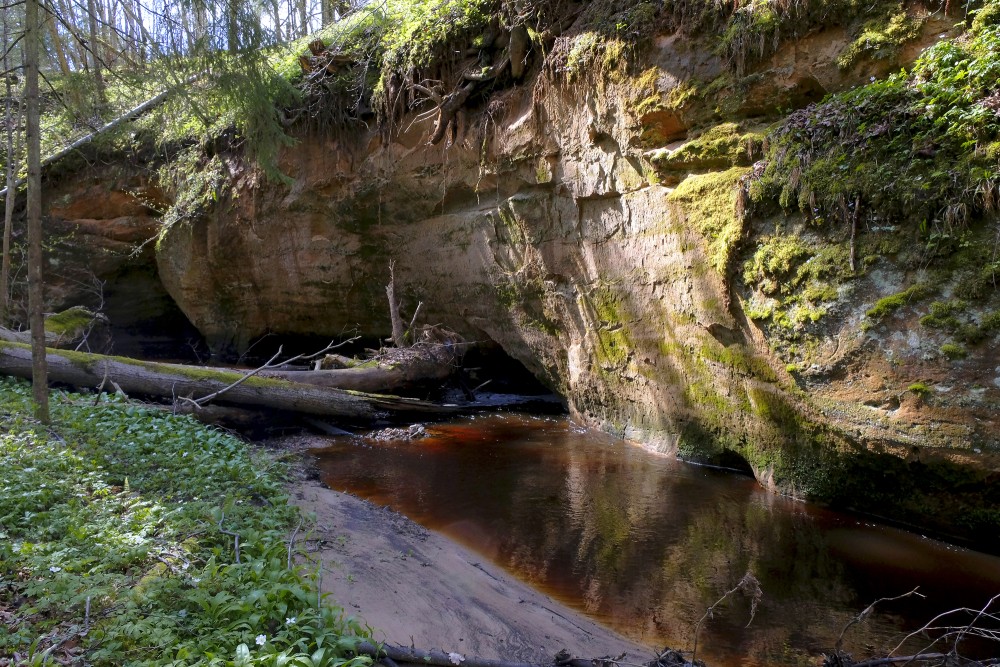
point(173, 380)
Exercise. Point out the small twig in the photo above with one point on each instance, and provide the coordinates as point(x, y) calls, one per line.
point(413, 320)
point(748, 584)
point(235, 536)
point(86, 617)
point(929, 626)
point(972, 623)
point(100, 388)
point(866, 612)
point(291, 542)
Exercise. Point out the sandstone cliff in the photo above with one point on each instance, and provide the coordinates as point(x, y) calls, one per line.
point(587, 218)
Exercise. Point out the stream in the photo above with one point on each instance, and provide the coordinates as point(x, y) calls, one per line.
point(645, 543)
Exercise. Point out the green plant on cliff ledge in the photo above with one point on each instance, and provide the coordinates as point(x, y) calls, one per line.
point(195, 181)
point(881, 39)
point(720, 147)
point(709, 200)
point(914, 147)
point(890, 304)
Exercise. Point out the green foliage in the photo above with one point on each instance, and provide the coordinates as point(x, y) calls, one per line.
point(953, 351)
point(912, 147)
point(881, 39)
point(122, 508)
point(955, 318)
point(745, 32)
point(890, 304)
point(919, 388)
point(195, 181)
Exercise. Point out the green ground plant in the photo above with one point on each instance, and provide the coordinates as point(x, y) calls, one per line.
point(117, 532)
point(913, 148)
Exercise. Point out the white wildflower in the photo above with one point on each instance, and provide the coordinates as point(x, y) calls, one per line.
point(261, 640)
point(456, 658)
point(55, 569)
point(290, 620)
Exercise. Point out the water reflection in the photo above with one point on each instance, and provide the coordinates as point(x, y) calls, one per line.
point(645, 544)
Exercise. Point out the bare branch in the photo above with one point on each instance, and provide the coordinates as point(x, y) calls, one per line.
point(867, 612)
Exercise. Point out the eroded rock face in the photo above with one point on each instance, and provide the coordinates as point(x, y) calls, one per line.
point(553, 241)
point(101, 230)
point(545, 230)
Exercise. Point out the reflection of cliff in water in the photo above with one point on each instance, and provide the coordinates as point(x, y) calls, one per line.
point(646, 544)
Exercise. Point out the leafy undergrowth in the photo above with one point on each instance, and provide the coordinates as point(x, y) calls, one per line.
point(921, 147)
point(112, 550)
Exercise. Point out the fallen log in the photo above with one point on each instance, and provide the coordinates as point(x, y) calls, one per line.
point(394, 371)
point(65, 329)
point(173, 381)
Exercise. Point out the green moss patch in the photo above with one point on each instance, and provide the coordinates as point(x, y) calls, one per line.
point(881, 39)
point(800, 278)
point(71, 323)
point(709, 200)
point(720, 147)
point(890, 304)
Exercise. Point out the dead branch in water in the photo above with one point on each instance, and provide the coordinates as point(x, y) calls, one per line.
point(949, 636)
point(750, 587)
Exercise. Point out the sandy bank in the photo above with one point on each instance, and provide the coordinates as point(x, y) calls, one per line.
point(414, 586)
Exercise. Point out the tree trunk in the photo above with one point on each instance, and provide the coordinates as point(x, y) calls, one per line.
point(398, 371)
point(173, 380)
point(13, 125)
point(95, 53)
point(232, 27)
point(276, 17)
point(57, 44)
point(303, 18)
point(40, 390)
point(398, 331)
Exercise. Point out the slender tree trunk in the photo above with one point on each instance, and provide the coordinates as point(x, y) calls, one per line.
point(232, 27)
point(13, 123)
point(276, 13)
point(57, 43)
point(36, 317)
point(303, 18)
point(95, 52)
point(77, 49)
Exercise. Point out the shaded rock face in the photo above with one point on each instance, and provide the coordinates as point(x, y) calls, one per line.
point(101, 232)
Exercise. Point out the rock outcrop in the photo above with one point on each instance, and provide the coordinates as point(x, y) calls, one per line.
point(550, 229)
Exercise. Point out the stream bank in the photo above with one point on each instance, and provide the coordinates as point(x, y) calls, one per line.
point(415, 587)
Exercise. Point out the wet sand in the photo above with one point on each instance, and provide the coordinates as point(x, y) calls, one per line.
point(416, 587)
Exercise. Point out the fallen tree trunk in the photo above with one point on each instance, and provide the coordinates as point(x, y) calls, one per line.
point(172, 381)
point(397, 370)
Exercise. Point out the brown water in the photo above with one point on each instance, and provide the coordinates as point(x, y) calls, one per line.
point(644, 543)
